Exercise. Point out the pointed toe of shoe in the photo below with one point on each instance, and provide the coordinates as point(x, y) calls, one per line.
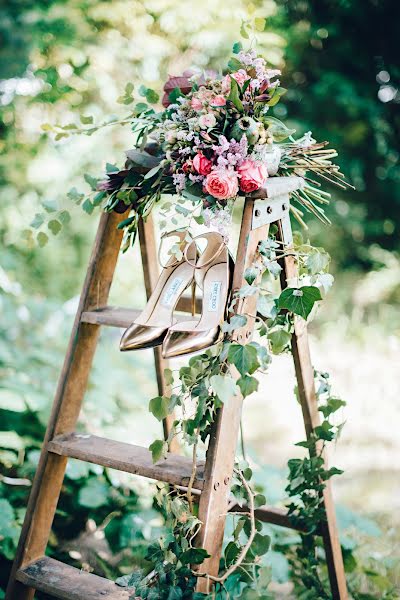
point(178, 343)
point(141, 336)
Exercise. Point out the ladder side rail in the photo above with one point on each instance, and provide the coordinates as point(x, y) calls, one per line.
point(67, 402)
point(308, 400)
point(148, 250)
point(220, 458)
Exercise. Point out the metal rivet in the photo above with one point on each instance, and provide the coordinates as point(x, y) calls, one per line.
point(257, 213)
point(216, 485)
point(226, 480)
point(284, 207)
point(269, 209)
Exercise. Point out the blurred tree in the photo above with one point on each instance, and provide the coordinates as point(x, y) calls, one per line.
point(343, 73)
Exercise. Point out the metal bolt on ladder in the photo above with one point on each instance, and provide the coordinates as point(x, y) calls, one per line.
point(32, 570)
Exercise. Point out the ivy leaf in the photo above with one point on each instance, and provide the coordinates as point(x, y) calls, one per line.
point(251, 274)
point(54, 226)
point(317, 261)
point(75, 196)
point(260, 545)
point(331, 406)
point(64, 217)
point(158, 449)
point(175, 593)
point(158, 406)
point(299, 300)
point(223, 386)
point(237, 47)
point(325, 431)
point(168, 377)
point(235, 322)
point(193, 556)
point(244, 358)
point(279, 340)
point(247, 385)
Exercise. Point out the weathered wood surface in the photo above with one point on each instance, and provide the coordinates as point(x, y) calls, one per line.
point(309, 405)
point(68, 583)
point(67, 402)
point(213, 505)
point(276, 186)
point(174, 469)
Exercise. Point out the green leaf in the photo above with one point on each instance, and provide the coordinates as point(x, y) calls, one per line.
point(42, 238)
point(331, 406)
point(92, 181)
point(151, 96)
point(129, 88)
point(260, 545)
point(234, 95)
point(87, 206)
point(64, 217)
point(277, 128)
point(168, 377)
point(86, 120)
point(223, 386)
point(54, 226)
point(317, 261)
point(243, 31)
point(234, 64)
point(75, 196)
point(193, 556)
point(251, 274)
point(247, 385)
point(158, 406)
point(244, 358)
point(37, 221)
point(235, 322)
point(259, 500)
point(94, 494)
point(158, 449)
point(152, 172)
point(237, 47)
point(299, 300)
point(279, 340)
point(259, 23)
point(50, 206)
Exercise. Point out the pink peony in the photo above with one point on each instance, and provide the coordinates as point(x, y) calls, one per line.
point(222, 184)
point(202, 164)
point(252, 175)
point(207, 121)
point(196, 104)
point(218, 101)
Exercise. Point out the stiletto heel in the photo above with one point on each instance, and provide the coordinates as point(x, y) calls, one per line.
point(152, 325)
point(194, 297)
point(212, 273)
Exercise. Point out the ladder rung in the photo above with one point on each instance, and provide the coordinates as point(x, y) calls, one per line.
point(110, 315)
point(271, 515)
point(114, 316)
point(174, 469)
point(68, 583)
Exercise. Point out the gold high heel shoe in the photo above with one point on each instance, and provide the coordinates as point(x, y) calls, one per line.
point(212, 274)
point(152, 325)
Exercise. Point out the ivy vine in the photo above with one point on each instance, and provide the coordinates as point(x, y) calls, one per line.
point(199, 390)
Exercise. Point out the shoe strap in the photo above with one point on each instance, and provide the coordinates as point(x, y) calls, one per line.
point(222, 245)
point(173, 262)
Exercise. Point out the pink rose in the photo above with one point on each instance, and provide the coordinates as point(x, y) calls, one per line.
point(196, 104)
point(252, 175)
point(218, 101)
point(222, 184)
point(202, 164)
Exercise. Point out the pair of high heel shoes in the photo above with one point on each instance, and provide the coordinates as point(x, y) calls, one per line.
point(211, 271)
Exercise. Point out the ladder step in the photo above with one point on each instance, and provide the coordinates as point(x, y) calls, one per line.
point(174, 469)
point(115, 316)
point(68, 583)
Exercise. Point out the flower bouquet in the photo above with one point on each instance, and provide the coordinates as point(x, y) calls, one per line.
point(215, 140)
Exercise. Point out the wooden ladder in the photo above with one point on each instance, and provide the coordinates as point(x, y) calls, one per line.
point(32, 570)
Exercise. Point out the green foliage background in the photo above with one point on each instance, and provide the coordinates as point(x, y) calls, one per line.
point(62, 59)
